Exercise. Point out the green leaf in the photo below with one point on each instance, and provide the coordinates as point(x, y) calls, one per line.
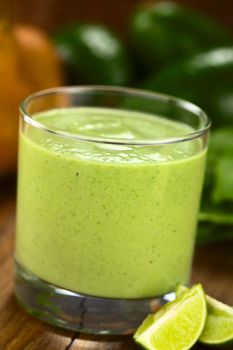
point(215, 213)
point(218, 180)
point(221, 143)
point(211, 233)
point(216, 217)
point(223, 187)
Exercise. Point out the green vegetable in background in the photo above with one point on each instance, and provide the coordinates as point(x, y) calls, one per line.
point(220, 149)
point(205, 79)
point(211, 233)
point(220, 164)
point(224, 184)
point(216, 216)
point(93, 55)
point(184, 54)
point(165, 32)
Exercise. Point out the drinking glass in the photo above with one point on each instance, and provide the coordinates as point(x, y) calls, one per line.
point(109, 186)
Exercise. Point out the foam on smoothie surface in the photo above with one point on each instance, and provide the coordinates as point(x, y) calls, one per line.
point(115, 124)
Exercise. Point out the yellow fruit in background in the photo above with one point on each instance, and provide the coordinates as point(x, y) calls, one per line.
point(28, 63)
point(38, 61)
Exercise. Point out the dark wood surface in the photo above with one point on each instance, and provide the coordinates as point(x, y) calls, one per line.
point(213, 266)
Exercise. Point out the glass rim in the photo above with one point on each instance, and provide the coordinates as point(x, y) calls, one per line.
point(185, 105)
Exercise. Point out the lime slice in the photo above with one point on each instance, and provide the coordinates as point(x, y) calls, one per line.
point(177, 325)
point(180, 289)
point(218, 329)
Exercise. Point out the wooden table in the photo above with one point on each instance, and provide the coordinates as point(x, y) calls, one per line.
point(213, 266)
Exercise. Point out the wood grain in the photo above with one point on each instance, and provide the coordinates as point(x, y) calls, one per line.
point(213, 266)
point(113, 343)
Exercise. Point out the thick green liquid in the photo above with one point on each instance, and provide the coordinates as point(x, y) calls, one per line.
point(108, 220)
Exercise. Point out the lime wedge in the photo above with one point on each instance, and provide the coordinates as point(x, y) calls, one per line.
point(177, 325)
point(180, 289)
point(218, 329)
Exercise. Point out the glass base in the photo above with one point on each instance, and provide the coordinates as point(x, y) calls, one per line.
point(79, 312)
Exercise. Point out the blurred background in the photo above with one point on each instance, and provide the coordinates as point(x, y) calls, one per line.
point(49, 14)
point(183, 48)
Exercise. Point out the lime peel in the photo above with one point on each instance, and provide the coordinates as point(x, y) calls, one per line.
point(218, 329)
point(177, 325)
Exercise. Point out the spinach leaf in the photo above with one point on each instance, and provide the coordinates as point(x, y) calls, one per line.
point(212, 233)
point(223, 174)
point(216, 215)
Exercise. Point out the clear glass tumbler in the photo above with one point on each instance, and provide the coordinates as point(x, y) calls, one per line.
point(109, 185)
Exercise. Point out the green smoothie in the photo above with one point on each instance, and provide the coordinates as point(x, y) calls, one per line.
point(109, 220)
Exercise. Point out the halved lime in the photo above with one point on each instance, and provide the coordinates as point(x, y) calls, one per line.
point(218, 329)
point(177, 325)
